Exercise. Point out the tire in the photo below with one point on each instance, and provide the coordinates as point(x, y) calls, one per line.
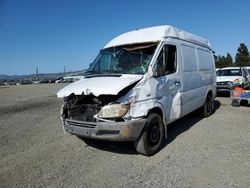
point(152, 137)
point(235, 103)
point(243, 102)
point(208, 107)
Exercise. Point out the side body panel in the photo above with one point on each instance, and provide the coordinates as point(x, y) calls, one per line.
point(198, 76)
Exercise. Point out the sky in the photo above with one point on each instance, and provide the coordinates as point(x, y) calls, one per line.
point(53, 34)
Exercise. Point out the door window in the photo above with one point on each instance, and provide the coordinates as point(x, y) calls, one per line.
point(166, 61)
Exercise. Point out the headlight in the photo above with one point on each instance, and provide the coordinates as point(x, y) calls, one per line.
point(236, 82)
point(113, 111)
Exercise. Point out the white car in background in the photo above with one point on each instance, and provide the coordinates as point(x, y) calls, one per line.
point(230, 77)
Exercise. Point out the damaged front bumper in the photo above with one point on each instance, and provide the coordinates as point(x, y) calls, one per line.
point(113, 131)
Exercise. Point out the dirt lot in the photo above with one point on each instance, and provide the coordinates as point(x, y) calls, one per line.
point(34, 152)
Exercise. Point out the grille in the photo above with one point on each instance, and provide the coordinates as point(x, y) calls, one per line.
point(223, 83)
point(80, 123)
point(84, 112)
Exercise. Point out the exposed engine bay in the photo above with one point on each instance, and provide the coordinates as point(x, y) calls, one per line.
point(84, 107)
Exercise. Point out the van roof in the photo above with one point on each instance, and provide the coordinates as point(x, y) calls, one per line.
point(155, 34)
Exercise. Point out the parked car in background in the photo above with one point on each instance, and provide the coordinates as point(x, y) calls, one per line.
point(230, 77)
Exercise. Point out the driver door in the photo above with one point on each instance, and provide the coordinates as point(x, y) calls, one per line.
point(168, 82)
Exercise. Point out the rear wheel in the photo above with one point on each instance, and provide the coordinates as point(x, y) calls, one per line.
point(208, 107)
point(151, 140)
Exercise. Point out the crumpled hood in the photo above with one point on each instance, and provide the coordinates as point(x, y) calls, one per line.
point(99, 85)
point(227, 78)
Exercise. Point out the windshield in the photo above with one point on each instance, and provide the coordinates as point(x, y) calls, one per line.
point(229, 72)
point(129, 59)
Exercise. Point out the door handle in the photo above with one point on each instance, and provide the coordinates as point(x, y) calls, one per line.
point(177, 82)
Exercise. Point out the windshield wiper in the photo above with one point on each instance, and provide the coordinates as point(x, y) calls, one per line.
point(92, 72)
point(111, 72)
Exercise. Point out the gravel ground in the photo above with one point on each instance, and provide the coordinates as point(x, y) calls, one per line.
point(34, 152)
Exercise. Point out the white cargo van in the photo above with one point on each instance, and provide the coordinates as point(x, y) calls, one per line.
point(140, 82)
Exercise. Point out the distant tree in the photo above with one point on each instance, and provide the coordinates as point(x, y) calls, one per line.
point(218, 62)
point(222, 61)
point(215, 58)
point(229, 60)
point(242, 57)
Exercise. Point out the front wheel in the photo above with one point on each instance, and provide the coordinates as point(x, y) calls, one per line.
point(151, 140)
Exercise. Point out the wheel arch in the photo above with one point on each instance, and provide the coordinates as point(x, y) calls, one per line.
point(210, 92)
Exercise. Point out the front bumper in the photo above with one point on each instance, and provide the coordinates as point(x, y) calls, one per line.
point(113, 131)
point(225, 88)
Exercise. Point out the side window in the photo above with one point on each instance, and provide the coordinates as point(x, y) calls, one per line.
point(166, 61)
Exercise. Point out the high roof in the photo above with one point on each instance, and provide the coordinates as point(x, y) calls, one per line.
point(156, 33)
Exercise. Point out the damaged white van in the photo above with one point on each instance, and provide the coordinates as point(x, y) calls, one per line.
point(140, 82)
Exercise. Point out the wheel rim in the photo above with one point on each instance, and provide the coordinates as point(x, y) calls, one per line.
point(154, 135)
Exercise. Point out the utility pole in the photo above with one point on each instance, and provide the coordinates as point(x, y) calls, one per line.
point(36, 76)
point(64, 70)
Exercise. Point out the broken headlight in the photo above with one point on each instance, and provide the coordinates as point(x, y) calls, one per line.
point(237, 82)
point(113, 111)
